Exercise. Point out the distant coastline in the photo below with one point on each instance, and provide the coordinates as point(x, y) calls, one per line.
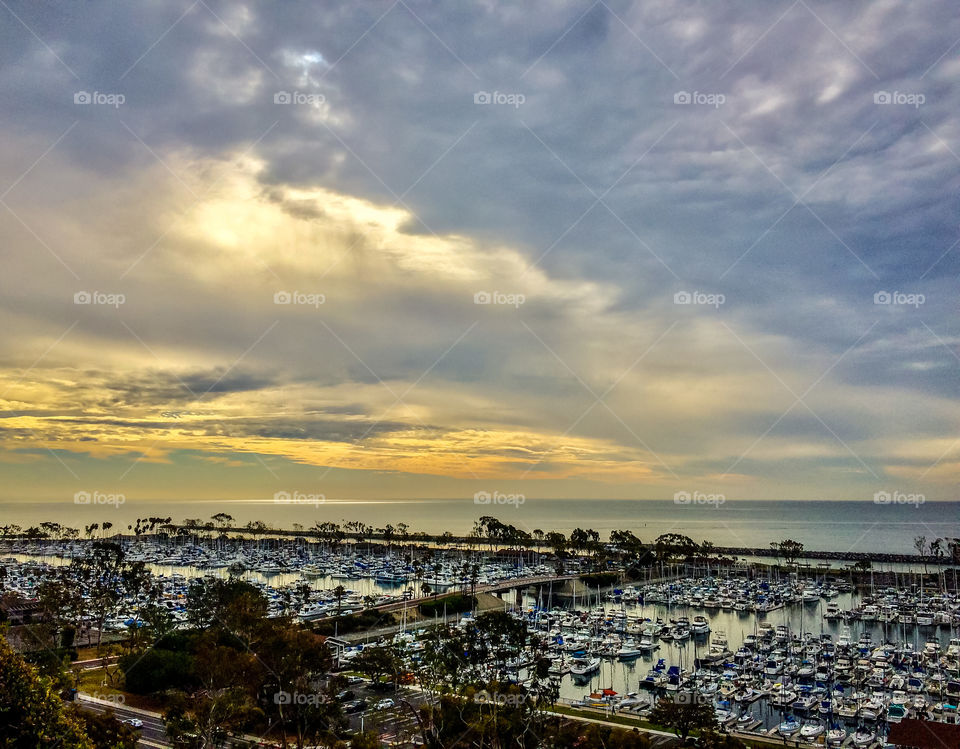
point(847, 527)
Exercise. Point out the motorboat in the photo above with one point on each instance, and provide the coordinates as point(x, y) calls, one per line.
point(810, 730)
point(584, 666)
point(647, 645)
point(629, 650)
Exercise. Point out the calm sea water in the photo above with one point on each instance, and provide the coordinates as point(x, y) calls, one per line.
point(832, 526)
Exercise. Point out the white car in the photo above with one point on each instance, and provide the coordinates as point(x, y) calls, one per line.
point(133, 722)
point(385, 704)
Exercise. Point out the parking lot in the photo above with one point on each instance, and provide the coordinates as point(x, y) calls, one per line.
point(390, 712)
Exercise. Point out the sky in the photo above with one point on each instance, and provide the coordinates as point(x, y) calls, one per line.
point(419, 249)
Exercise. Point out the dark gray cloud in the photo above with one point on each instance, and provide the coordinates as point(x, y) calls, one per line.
point(158, 387)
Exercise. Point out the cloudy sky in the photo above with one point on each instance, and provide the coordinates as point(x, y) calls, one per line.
point(420, 249)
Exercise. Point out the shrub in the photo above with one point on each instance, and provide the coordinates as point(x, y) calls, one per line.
point(157, 670)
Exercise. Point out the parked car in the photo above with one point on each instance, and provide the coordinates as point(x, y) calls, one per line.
point(354, 706)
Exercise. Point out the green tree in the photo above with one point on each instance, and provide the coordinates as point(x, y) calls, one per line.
point(235, 605)
point(60, 600)
point(202, 720)
point(920, 544)
point(557, 542)
point(339, 592)
point(100, 574)
point(684, 717)
point(378, 661)
point(104, 729)
point(791, 550)
point(156, 670)
point(366, 740)
point(674, 546)
point(31, 714)
point(293, 660)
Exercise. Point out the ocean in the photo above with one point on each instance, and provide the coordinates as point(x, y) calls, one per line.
point(819, 525)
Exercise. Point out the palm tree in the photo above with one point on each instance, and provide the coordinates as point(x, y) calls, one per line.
point(474, 578)
point(223, 521)
point(920, 544)
point(418, 570)
point(388, 533)
point(937, 552)
point(339, 592)
point(538, 537)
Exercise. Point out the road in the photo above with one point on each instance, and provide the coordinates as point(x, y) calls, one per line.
point(498, 587)
point(151, 735)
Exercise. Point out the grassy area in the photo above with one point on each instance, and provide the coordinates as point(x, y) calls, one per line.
point(608, 717)
point(95, 682)
point(643, 724)
point(360, 622)
point(450, 604)
point(87, 653)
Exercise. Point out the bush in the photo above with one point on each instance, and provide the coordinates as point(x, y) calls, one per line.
point(180, 641)
point(157, 670)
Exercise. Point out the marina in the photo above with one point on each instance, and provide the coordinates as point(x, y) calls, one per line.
point(306, 581)
point(796, 654)
point(769, 657)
